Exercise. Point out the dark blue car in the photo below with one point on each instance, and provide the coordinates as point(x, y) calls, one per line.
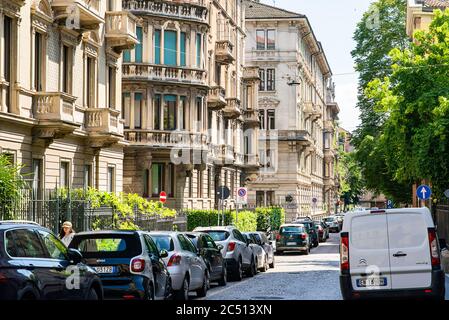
point(128, 262)
point(36, 265)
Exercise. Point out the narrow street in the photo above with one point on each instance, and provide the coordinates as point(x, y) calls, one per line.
point(295, 277)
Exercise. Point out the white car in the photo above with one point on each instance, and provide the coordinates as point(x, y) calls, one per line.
point(392, 252)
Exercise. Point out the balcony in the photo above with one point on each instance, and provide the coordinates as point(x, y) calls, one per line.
point(158, 139)
point(232, 109)
point(88, 12)
point(224, 52)
point(54, 112)
point(156, 73)
point(251, 118)
point(221, 155)
point(308, 108)
point(187, 11)
point(251, 162)
point(121, 30)
point(217, 98)
point(103, 126)
point(329, 155)
point(239, 159)
point(329, 126)
point(251, 73)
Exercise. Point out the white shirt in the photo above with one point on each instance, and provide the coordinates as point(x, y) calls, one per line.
point(67, 239)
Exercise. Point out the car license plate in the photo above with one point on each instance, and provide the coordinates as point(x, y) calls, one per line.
point(372, 282)
point(291, 243)
point(108, 269)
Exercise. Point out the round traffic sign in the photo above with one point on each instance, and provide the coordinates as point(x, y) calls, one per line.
point(241, 192)
point(314, 200)
point(223, 192)
point(163, 197)
point(423, 192)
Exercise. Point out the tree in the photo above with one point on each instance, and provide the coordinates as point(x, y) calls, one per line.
point(415, 97)
point(351, 180)
point(11, 185)
point(381, 29)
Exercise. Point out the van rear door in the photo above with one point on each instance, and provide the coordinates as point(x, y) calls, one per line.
point(368, 252)
point(410, 259)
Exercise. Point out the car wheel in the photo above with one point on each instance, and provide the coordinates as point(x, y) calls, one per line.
point(307, 251)
point(203, 291)
point(279, 252)
point(265, 265)
point(316, 244)
point(92, 295)
point(272, 263)
point(168, 289)
point(238, 273)
point(224, 275)
point(183, 293)
point(252, 268)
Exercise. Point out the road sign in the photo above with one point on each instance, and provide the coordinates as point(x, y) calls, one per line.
point(163, 197)
point(423, 192)
point(223, 192)
point(242, 195)
point(389, 204)
point(314, 200)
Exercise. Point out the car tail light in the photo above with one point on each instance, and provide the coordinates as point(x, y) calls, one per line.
point(174, 260)
point(3, 277)
point(303, 236)
point(231, 246)
point(344, 252)
point(278, 237)
point(128, 297)
point(434, 254)
point(137, 265)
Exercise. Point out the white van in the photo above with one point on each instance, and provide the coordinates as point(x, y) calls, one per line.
point(390, 253)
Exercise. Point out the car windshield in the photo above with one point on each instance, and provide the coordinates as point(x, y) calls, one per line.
point(218, 235)
point(163, 242)
point(291, 229)
point(107, 245)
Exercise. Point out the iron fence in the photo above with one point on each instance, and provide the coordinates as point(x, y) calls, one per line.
point(50, 208)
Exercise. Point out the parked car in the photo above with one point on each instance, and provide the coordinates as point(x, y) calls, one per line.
point(340, 218)
point(128, 262)
point(397, 248)
point(36, 265)
point(258, 251)
point(238, 255)
point(333, 224)
point(311, 230)
point(293, 237)
point(323, 230)
point(265, 243)
point(211, 252)
point(187, 267)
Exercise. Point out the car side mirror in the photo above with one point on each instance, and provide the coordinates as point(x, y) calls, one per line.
point(220, 247)
point(163, 253)
point(75, 256)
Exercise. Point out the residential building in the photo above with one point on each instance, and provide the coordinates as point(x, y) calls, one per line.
point(187, 100)
point(60, 90)
point(344, 140)
point(297, 112)
point(420, 14)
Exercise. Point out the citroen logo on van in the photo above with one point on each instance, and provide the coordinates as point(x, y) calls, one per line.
point(362, 261)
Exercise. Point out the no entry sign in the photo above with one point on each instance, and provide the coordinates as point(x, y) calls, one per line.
point(163, 197)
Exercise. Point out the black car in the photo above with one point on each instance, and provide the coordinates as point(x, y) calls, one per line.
point(36, 265)
point(211, 252)
point(128, 262)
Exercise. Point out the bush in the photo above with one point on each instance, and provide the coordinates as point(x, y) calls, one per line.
point(246, 221)
point(11, 185)
point(206, 218)
point(270, 218)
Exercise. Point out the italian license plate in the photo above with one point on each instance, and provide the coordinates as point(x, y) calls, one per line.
point(291, 243)
point(372, 282)
point(104, 269)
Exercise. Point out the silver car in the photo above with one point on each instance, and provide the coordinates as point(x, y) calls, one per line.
point(187, 268)
point(259, 252)
point(236, 250)
point(262, 240)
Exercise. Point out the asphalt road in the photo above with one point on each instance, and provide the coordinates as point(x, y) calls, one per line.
point(295, 277)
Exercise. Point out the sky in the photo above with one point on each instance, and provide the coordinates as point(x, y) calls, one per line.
point(334, 23)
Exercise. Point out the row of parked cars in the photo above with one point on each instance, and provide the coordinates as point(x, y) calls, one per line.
point(304, 234)
point(35, 264)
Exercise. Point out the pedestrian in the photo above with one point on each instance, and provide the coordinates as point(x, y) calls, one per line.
point(67, 233)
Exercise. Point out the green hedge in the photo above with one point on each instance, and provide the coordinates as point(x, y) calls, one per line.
point(260, 219)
